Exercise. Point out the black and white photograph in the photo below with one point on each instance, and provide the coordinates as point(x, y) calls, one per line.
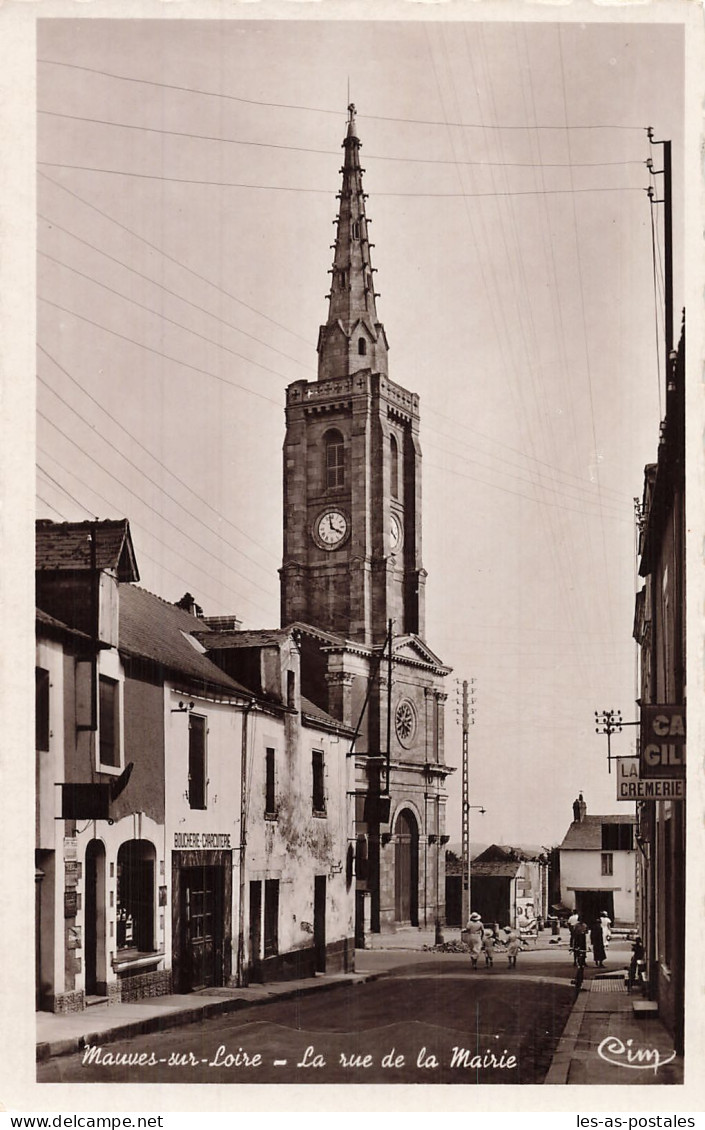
point(357, 407)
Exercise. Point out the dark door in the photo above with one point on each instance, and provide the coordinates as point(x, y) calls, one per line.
point(359, 920)
point(406, 869)
point(319, 922)
point(93, 914)
point(202, 916)
point(590, 904)
point(255, 926)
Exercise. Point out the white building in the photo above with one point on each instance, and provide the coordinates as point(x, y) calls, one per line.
point(598, 866)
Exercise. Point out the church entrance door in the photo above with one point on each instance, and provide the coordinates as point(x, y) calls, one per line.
point(406, 869)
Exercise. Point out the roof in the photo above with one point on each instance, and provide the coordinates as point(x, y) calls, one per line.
point(586, 834)
point(153, 629)
point(495, 869)
point(225, 640)
point(49, 625)
point(68, 546)
point(313, 713)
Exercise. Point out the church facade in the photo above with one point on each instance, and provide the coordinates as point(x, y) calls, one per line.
point(352, 581)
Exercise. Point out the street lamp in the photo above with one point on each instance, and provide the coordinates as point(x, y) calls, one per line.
point(466, 878)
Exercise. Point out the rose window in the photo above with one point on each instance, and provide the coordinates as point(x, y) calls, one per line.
point(405, 722)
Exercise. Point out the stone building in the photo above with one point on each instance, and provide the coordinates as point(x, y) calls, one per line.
point(352, 578)
point(193, 829)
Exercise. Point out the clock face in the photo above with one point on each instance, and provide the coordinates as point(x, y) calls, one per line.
point(331, 529)
point(395, 533)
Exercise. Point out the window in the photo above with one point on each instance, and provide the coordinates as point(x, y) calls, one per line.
point(271, 917)
point(270, 808)
point(319, 789)
point(42, 708)
point(394, 466)
point(362, 346)
point(109, 722)
point(617, 837)
point(135, 896)
point(356, 229)
point(607, 863)
point(335, 460)
point(197, 761)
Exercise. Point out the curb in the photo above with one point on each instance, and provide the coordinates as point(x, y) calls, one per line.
point(69, 1046)
point(557, 1073)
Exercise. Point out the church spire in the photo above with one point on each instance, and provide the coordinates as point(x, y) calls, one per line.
point(352, 337)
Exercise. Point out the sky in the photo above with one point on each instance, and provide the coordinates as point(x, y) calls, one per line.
point(187, 174)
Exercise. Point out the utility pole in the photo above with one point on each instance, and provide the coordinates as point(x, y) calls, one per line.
point(468, 720)
point(667, 202)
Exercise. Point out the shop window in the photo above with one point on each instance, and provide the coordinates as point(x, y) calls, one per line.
point(607, 863)
point(319, 790)
point(135, 896)
point(197, 780)
point(42, 708)
point(270, 808)
point(335, 460)
point(109, 722)
point(394, 466)
point(271, 917)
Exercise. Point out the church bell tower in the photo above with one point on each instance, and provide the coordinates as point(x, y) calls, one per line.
point(352, 460)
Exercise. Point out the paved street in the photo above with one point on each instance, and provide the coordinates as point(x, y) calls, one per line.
point(429, 1019)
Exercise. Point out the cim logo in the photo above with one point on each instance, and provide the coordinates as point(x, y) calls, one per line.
point(621, 1054)
point(662, 741)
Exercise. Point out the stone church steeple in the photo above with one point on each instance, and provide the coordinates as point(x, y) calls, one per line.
point(353, 338)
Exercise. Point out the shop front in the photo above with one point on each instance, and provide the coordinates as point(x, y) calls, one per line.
point(202, 882)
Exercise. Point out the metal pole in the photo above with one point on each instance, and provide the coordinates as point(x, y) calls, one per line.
point(668, 250)
point(389, 702)
point(465, 911)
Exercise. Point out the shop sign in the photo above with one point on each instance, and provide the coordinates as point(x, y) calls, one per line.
point(70, 902)
point(662, 741)
point(70, 847)
point(204, 841)
point(631, 786)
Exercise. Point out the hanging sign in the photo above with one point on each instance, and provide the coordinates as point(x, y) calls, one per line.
point(662, 741)
point(631, 786)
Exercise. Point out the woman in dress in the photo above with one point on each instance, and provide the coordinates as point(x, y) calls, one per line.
point(475, 937)
point(598, 943)
point(513, 945)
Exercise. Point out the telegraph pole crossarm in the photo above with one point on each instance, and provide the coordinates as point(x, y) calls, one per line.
point(611, 722)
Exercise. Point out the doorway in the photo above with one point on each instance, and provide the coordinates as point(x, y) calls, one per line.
point(590, 904)
point(319, 922)
point(202, 918)
point(255, 928)
point(94, 919)
point(406, 869)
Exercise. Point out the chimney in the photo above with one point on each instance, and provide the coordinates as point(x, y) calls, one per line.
point(579, 809)
point(188, 603)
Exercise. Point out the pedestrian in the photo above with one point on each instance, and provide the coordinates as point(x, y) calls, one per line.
point(572, 923)
point(513, 945)
point(579, 939)
point(606, 923)
point(636, 961)
point(598, 944)
point(475, 936)
point(488, 946)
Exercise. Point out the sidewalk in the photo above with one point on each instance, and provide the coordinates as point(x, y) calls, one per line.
point(603, 1018)
point(66, 1033)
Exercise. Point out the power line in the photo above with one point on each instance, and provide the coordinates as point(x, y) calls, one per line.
point(203, 501)
point(315, 109)
point(318, 191)
point(166, 289)
point(198, 568)
point(164, 317)
point(149, 506)
point(170, 258)
point(334, 152)
point(150, 349)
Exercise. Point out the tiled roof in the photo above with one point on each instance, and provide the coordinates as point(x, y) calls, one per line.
point(216, 641)
point(586, 834)
point(67, 545)
point(51, 624)
point(315, 713)
point(151, 628)
point(495, 869)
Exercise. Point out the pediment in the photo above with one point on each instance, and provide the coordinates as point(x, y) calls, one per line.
point(414, 650)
